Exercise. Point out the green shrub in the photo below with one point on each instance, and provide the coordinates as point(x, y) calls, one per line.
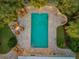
point(12, 42)
point(68, 7)
point(73, 29)
point(73, 44)
point(38, 3)
point(72, 35)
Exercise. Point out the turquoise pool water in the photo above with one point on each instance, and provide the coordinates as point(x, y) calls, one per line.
point(39, 30)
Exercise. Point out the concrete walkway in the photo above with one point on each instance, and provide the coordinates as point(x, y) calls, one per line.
point(9, 55)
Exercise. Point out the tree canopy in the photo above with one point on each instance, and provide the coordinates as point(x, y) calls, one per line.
point(8, 10)
point(38, 3)
point(68, 7)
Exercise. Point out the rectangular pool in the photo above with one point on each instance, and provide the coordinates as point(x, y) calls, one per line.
point(39, 30)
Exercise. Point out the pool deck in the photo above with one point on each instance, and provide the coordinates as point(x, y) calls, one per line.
point(55, 20)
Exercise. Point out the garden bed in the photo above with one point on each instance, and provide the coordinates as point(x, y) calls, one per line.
point(65, 41)
point(61, 37)
point(6, 43)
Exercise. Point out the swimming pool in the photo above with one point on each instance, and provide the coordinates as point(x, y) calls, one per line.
point(39, 30)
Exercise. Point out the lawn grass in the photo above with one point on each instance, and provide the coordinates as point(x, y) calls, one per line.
point(5, 35)
point(60, 37)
